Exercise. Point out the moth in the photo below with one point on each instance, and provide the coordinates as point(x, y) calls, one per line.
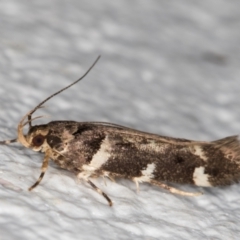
point(94, 149)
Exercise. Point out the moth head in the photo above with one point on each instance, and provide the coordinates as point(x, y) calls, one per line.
point(36, 136)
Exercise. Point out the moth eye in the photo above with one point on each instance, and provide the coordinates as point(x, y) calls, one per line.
point(38, 140)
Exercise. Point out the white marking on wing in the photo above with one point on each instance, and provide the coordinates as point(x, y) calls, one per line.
point(200, 178)
point(100, 157)
point(148, 172)
point(147, 175)
point(199, 152)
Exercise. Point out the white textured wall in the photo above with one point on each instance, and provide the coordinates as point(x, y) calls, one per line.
point(168, 67)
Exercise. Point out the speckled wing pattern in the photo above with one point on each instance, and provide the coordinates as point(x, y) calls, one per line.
point(97, 149)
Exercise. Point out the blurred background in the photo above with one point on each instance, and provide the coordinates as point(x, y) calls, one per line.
point(167, 67)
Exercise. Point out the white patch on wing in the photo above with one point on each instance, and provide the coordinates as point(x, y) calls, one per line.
point(147, 175)
point(199, 152)
point(100, 157)
point(200, 178)
point(148, 172)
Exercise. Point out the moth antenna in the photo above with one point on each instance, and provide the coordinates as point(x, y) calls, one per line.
point(29, 118)
point(63, 89)
point(27, 122)
point(21, 137)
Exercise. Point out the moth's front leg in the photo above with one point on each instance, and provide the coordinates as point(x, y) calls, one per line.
point(43, 170)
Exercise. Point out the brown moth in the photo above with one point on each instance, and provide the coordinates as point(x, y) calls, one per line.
point(93, 149)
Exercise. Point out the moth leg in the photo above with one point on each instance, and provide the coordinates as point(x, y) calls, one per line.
point(111, 178)
point(43, 170)
point(104, 179)
point(106, 174)
point(84, 175)
point(137, 184)
point(100, 192)
point(138, 180)
point(174, 190)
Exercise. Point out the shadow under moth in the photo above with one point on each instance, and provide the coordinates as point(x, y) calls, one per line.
point(94, 149)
